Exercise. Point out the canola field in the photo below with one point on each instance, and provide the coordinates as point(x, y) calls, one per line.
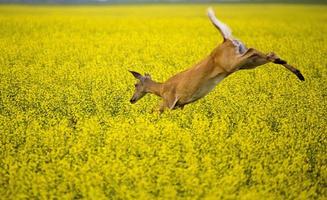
point(68, 131)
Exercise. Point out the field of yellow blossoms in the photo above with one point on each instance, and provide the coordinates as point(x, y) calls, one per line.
point(68, 131)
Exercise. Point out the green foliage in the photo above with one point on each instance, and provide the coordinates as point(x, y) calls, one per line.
point(67, 130)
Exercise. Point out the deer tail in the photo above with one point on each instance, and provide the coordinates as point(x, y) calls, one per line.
point(223, 28)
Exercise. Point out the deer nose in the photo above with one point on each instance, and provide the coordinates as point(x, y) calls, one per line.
point(132, 101)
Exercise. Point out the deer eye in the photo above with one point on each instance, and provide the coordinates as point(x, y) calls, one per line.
point(135, 85)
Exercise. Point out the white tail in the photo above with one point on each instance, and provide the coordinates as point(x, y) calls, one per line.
point(223, 28)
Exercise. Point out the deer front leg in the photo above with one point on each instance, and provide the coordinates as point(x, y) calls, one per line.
point(253, 58)
point(169, 103)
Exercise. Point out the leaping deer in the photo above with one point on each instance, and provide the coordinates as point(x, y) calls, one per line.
point(196, 82)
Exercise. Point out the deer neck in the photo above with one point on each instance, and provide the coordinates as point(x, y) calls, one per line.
point(154, 87)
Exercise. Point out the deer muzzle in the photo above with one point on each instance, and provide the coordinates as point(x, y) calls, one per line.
point(133, 100)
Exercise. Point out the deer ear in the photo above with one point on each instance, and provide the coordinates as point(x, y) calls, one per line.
point(136, 75)
point(147, 75)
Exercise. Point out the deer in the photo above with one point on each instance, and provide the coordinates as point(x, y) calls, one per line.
point(196, 82)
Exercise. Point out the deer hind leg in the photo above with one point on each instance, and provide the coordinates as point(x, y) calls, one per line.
point(253, 58)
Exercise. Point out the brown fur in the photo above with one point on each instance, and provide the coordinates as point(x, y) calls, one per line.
point(197, 81)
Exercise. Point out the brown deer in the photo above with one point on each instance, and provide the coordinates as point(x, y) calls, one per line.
point(197, 81)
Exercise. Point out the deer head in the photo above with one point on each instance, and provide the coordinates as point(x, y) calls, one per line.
point(140, 86)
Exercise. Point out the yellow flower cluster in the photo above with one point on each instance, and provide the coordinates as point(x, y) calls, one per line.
point(68, 131)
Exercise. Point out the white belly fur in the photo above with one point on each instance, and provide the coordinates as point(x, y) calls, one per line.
point(206, 87)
